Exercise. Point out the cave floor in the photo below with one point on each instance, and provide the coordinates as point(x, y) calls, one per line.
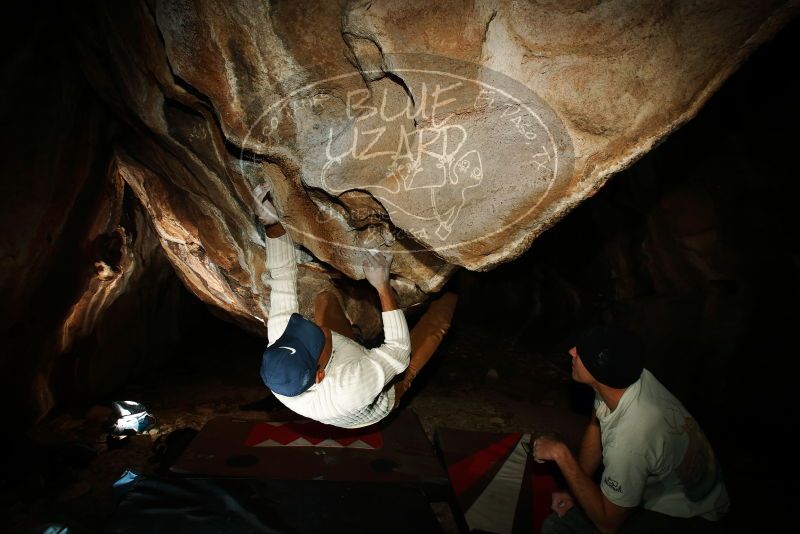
point(66, 472)
point(464, 387)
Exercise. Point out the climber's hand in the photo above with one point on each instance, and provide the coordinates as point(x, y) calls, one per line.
point(376, 271)
point(265, 210)
point(376, 268)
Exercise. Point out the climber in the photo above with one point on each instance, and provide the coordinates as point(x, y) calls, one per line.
point(659, 472)
point(316, 367)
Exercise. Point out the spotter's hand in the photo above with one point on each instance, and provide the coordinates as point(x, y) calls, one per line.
point(562, 502)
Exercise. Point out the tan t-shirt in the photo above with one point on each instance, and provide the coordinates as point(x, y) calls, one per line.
point(655, 455)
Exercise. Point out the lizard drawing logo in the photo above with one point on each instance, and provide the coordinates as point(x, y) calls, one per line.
point(439, 170)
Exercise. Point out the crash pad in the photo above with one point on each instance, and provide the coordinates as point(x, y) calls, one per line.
point(176, 505)
point(393, 451)
point(498, 486)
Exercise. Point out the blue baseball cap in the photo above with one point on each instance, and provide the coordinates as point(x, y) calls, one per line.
point(289, 366)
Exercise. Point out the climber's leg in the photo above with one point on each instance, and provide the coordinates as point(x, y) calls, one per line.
point(328, 312)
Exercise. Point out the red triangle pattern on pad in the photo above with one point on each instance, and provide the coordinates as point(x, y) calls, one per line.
point(311, 434)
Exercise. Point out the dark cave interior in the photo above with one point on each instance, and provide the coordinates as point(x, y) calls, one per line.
point(694, 247)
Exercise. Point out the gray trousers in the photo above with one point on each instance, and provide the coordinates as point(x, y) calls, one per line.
point(640, 521)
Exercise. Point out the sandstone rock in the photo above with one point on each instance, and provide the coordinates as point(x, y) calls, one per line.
point(451, 133)
point(88, 297)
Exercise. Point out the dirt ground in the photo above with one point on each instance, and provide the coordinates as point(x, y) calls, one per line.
point(63, 472)
point(69, 467)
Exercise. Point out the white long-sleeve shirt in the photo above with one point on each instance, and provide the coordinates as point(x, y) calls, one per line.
point(354, 392)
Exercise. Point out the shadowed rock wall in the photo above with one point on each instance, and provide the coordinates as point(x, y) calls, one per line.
point(451, 134)
point(88, 300)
